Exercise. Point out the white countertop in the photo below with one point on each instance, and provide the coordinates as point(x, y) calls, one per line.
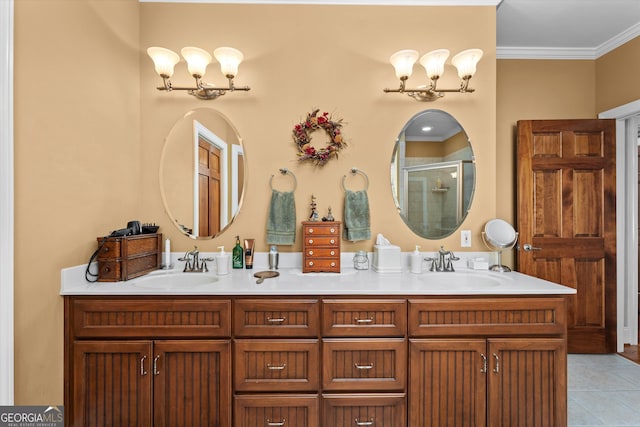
point(292, 281)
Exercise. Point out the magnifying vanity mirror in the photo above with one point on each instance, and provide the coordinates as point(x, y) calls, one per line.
point(433, 174)
point(499, 235)
point(202, 173)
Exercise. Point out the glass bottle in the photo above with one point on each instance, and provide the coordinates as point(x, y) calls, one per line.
point(237, 255)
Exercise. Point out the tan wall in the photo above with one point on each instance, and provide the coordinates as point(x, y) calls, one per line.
point(335, 59)
point(617, 76)
point(535, 89)
point(77, 162)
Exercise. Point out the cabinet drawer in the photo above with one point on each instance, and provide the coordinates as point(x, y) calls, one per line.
point(487, 317)
point(110, 250)
point(276, 365)
point(322, 264)
point(276, 318)
point(314, 252)
point(322, 230)
point(364, 364)
point(321, 241)
point(358, 318)
point(294, 410)
point(150, 318)
point(381, 410)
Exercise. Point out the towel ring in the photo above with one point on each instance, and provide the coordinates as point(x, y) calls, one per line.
point(285, 171)
point(353, 172)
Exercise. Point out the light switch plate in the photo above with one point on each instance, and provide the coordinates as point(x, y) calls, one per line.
point(465, 238)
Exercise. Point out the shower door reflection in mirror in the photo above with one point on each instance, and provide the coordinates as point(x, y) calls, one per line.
point(436, 197)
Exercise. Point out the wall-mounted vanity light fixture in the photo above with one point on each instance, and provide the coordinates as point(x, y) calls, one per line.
point(433, 62)
point(197, 61)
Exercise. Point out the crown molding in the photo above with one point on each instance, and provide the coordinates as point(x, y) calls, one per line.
point(503, 52)
point(617, 41)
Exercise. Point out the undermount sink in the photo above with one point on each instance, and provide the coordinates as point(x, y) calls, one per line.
point(463, 280)
point(174, 280)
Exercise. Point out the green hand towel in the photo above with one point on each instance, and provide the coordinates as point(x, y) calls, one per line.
point(281, 222)
point(356, 216)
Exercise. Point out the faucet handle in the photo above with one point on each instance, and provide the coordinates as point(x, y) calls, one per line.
point(433, 263)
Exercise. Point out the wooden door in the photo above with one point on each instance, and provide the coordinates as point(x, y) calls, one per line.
point(527, 382)
point(112, 383)
point(208, 189)
point(447, 383)
point(567, 214)
point(192, 383)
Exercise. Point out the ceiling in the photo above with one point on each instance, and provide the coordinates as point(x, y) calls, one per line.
point(564, 29)
point(529, 29)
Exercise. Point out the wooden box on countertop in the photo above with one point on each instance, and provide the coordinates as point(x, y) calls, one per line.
point(321, 246)
point(123, 258)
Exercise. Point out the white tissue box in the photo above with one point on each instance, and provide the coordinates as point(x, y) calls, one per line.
point(387, 259)
point(478, 264)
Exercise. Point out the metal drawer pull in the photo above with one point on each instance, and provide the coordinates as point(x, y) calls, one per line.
point(497, 368)
point(155, 365)
point(142, 371)
point(483, 370)
point(276, 423)
point(369, 320)
point(276, 367)
point(364, 423)
point(369, 366)
point(276, 319)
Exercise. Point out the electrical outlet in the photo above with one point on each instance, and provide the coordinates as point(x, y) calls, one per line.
point(465, 238)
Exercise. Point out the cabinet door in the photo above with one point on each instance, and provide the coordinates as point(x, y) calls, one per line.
point(192, 383)
point(111, 383)
point(447, 383)
point(527, 382)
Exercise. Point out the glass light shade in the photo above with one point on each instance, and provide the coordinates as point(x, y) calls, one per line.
point(197, 60)
point(164, 60)
point(466, 61)
point(433, 62)
point(229, 59)
point(403, 61)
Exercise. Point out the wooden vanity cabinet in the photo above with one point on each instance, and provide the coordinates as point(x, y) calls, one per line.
point(147, 361)
point(316, 361)
point(488, 362)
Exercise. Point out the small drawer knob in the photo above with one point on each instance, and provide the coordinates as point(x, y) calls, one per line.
point(310, 241)
point(311, 230)
point(333, 230)
point(310, 252)
point(333, 252)
point(332, 241)
point(310, 263)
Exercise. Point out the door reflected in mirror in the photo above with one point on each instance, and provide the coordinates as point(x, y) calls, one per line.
point(433, 174)
point(202, 173)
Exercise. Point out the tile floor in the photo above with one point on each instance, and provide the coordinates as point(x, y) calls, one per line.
point(604, 390)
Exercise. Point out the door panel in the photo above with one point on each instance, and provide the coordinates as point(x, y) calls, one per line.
point(566, 208)
point(192, 383)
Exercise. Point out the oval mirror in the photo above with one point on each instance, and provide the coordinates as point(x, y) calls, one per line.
point(202, 173)
point(433, 174)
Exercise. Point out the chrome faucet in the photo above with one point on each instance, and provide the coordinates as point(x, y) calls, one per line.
point(443, 262)
point(193, 262)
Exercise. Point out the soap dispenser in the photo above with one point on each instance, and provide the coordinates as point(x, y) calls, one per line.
point(416, 261)
point(222, 261)
point(238, 254)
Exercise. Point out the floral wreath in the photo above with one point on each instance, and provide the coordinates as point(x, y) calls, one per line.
point(301, 137)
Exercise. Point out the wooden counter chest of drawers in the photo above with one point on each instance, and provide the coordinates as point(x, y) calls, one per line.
point(321, 246)
point(123, 258)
